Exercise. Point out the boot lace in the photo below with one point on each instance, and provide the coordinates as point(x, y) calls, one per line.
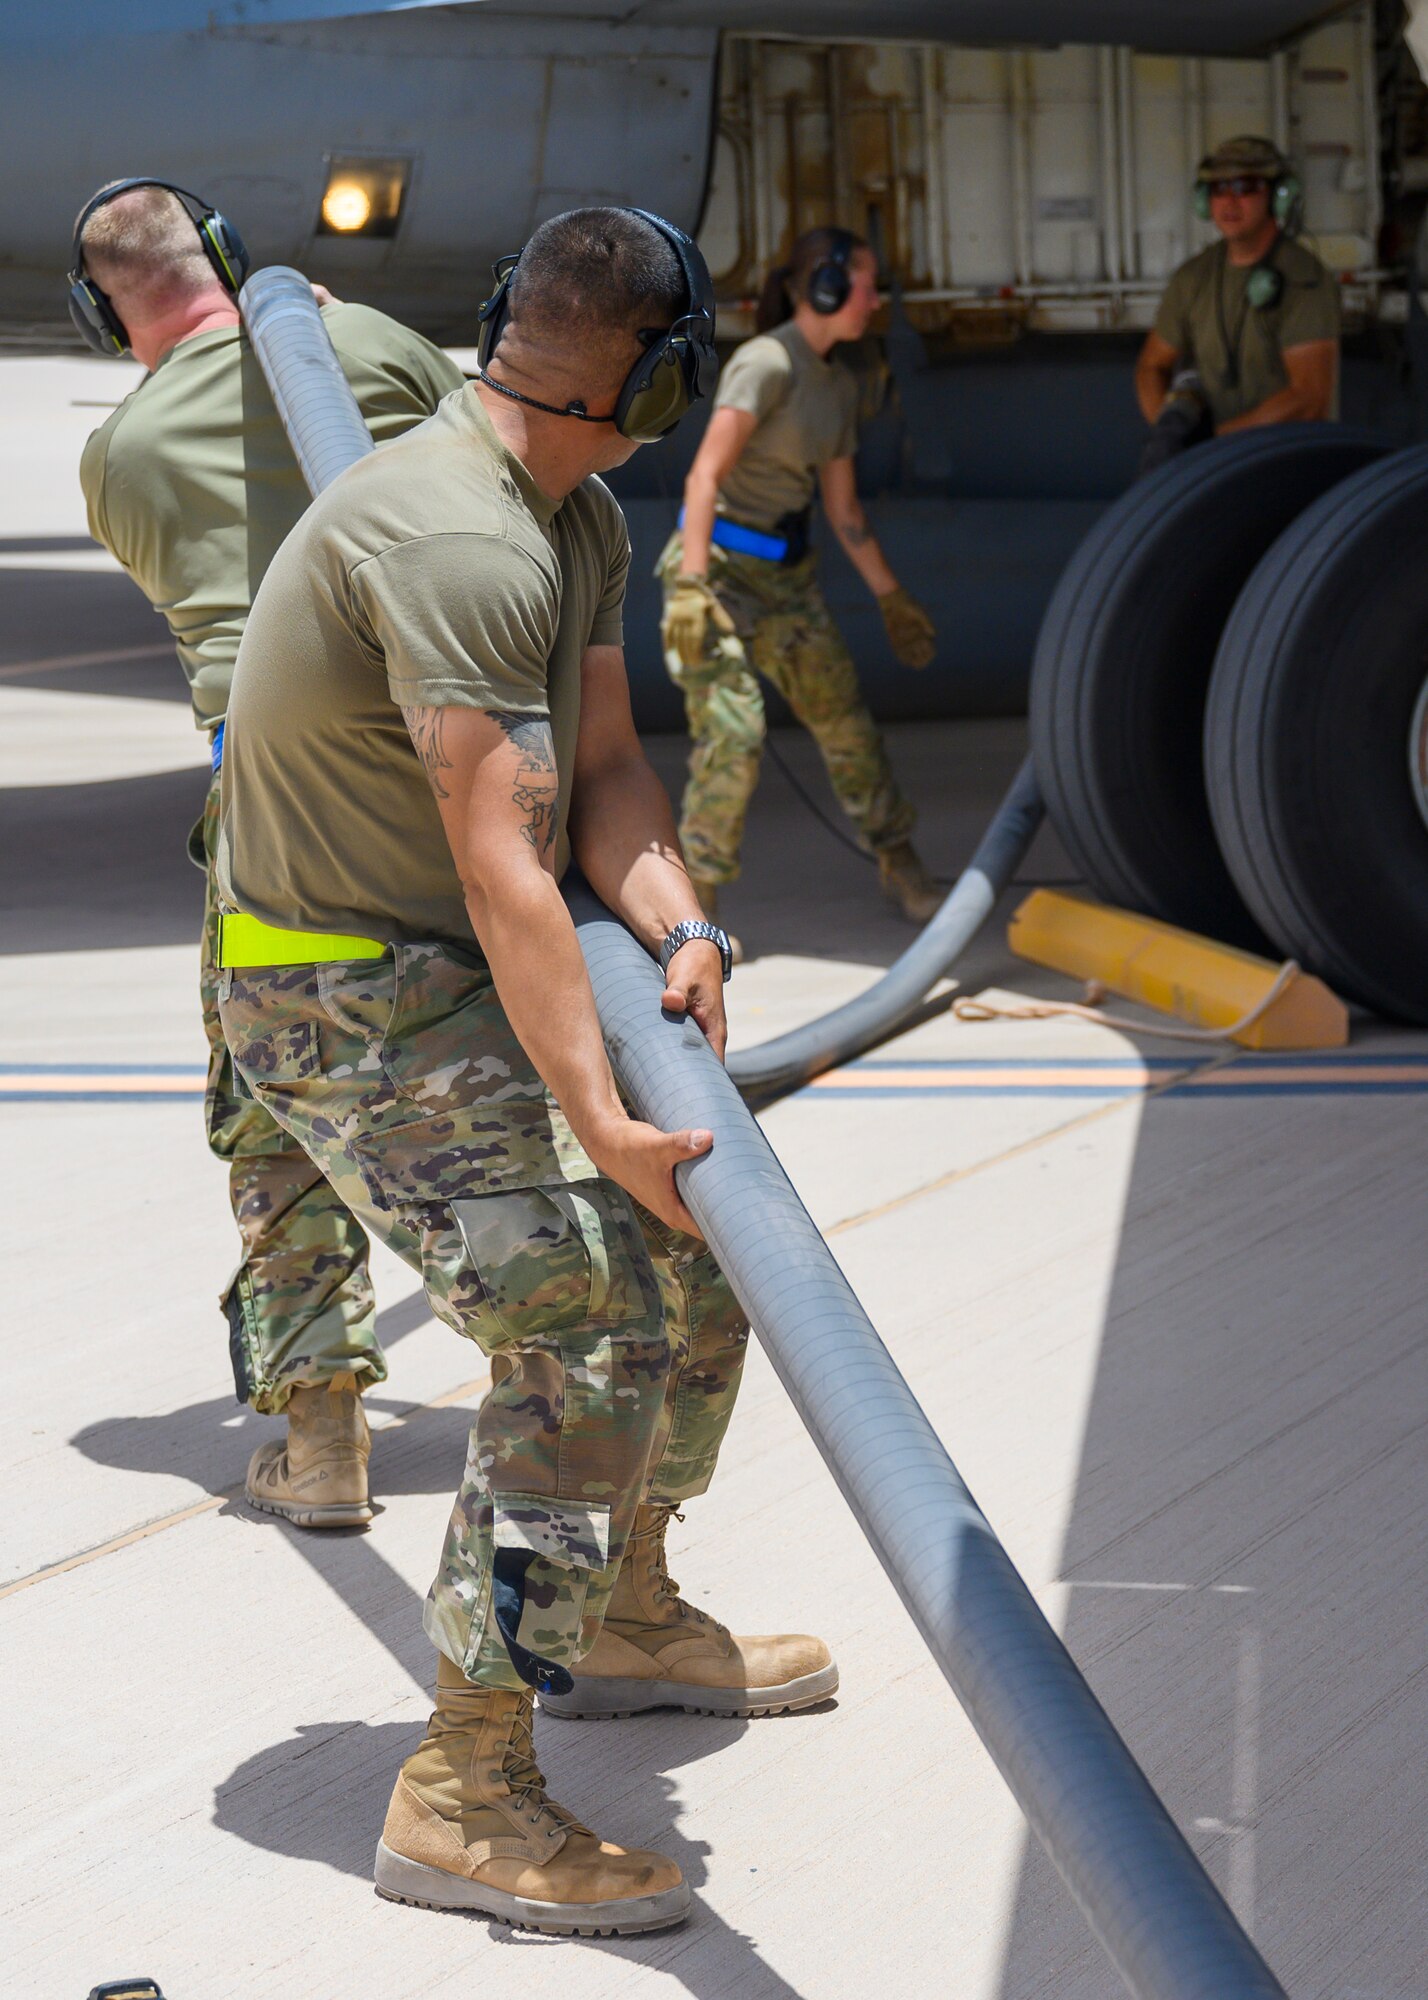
point(665, 1585)
point(523, 1775)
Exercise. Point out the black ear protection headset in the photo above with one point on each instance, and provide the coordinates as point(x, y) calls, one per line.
point(99, 326)
point(677, 369)
point(829, 282)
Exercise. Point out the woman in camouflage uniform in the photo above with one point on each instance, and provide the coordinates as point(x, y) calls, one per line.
point(741, 595)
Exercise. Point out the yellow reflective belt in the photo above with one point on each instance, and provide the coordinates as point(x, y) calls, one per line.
point(244, 941)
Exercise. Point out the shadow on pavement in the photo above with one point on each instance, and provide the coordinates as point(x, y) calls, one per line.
point(52, 614)
point(211, 1442)
point(322, 1794)
point(1245, 1552)
point(106, 865)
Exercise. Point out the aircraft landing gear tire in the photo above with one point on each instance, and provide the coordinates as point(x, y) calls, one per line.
point(1124, 658)
point(1316, 740)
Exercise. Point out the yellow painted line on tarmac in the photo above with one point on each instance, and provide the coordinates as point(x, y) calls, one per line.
point(154, 1083)
point(215, 1501)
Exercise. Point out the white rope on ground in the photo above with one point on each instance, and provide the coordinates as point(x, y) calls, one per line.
point(1047, 1010)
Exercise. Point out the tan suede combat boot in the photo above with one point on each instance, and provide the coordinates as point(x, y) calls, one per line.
point(904, 881)
point(656, 1651)
point(708, 894)
point(317, 1478)
point(470, 1828)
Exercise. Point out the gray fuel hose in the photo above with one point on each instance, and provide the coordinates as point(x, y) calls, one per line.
point(781, 1064)
point(1160, 1918)
point(1145, 1895)
point(295, 352)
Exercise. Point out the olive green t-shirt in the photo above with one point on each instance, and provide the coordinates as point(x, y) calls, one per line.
point(192, 484)
point(807, 411)
point(1205, 316)
point(431, 574)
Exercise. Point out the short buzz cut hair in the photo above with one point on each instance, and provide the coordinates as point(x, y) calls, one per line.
point(593, 271)
point(144, 242)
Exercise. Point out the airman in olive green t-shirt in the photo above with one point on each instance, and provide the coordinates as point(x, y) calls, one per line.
point(1236, 347)
point(432, 574)
point(192, 484)
point(1247, 332)
point(430, 716)
point(805, 407)
point(741, 591)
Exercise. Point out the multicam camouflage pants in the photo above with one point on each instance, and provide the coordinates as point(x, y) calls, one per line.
point(616, 1346)
point(299, 1306)
point(784, 631)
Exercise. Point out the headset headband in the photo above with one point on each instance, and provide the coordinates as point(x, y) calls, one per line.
point(678, 367)
point(698, 286)
point(198, 211)
point(98, 324)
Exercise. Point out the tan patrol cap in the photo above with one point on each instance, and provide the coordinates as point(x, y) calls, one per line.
point(1247, 156)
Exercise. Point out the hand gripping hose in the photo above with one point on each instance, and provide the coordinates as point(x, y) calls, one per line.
point(295, 352)
point(777, 1066)
point(1154, 1909)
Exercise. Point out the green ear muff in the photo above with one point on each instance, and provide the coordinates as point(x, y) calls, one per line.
point(226, 252)
point(1264, 287)
point(655, 400)
point(1287, 200)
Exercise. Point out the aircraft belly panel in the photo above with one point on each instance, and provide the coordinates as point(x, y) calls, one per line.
point(500, 127)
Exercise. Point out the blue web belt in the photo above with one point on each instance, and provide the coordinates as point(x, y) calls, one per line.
point(215, 749)
point(728, 534)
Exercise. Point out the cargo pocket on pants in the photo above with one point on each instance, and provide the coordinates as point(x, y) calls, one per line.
point(545, 1552)
point(551, 1259)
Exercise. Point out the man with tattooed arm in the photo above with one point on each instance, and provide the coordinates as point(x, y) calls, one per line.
point(429, 722)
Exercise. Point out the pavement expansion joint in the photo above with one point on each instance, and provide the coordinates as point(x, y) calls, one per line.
point(213, 1501)
point(1029, 1145)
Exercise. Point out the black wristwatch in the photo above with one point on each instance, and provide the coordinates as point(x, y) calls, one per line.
point(695, 927)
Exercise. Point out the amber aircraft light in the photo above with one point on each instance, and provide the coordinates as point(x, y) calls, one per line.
point(346, 207)
point(363, 197)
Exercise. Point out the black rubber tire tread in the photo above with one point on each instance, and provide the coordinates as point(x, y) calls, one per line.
point(1125, 654)
point(1306, 739)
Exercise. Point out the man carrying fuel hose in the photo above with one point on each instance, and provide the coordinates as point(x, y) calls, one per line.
point(192, 486)
point(430, 719)
point(741, 594)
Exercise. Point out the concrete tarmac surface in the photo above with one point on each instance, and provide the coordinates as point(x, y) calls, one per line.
point(1163, 1302)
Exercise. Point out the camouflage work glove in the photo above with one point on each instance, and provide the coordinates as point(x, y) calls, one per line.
point(688, 609)
point(911, 633)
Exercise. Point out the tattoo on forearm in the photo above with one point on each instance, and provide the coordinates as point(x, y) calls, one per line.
point(854, 534)
point(536, 792)
point(424, 726)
